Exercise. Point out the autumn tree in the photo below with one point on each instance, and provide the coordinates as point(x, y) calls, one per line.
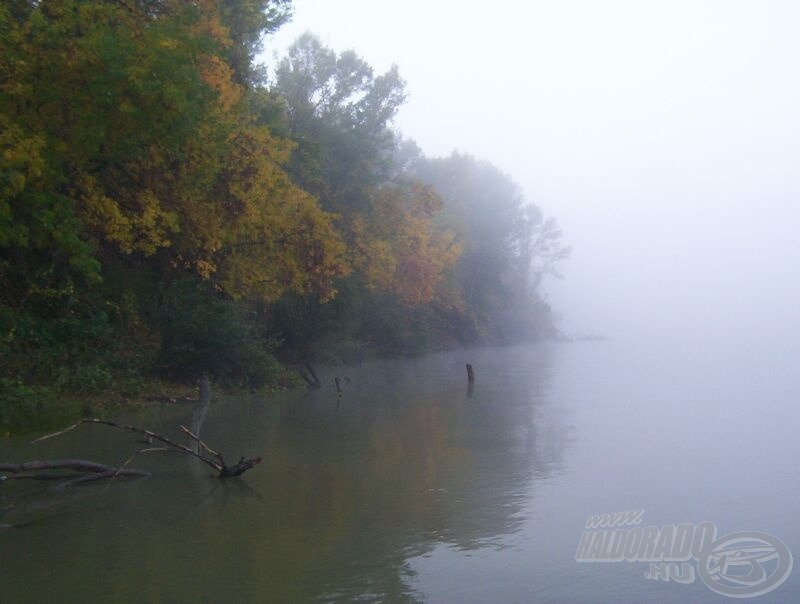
point(164, 207)
point(128, 146)
point(340, 114)
point(126, 124)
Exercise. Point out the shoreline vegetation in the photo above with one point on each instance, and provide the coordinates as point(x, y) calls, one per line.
point(170, 209)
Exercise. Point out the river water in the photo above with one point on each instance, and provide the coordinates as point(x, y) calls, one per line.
point(412, 489)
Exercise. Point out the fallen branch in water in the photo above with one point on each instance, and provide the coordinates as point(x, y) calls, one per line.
point(87, 470)
point(220, 466)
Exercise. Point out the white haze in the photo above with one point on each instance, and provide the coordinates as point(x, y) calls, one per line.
point(663, 136)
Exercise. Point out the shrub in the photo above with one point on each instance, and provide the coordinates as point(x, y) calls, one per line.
point(26, 408)
point(205, 333)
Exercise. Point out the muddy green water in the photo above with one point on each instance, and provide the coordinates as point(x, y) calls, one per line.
point(412, 491)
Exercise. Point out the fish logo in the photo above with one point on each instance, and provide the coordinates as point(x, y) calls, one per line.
point(745, 564)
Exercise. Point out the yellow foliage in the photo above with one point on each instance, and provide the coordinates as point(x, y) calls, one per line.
point(210, 24)
point(145, 230)
point(160, 156)
point(396, 247)
point(218, 75)
point(281, 240)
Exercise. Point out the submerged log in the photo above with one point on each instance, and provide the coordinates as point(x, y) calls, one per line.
point(77, 465)
point(86, 471)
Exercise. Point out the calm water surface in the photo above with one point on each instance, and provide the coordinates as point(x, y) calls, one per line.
point(413, 491)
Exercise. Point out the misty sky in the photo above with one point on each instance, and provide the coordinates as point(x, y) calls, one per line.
point(664, 137)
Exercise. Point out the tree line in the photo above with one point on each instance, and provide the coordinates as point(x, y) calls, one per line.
point(168, 208)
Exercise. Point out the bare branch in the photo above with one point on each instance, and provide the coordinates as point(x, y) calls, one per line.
point(146, 433)
point(224, 471)
point(54, 434)
point(204, 445)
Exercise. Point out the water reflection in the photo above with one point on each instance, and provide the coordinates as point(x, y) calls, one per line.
point(344, 498)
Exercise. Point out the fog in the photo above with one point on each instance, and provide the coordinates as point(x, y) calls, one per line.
point(663, 136)
point(187, 239)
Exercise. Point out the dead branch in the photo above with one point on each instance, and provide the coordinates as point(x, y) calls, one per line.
point(222, 469)
point(90, 470)
point(77, 465)
point(111, 475)
point(202, 444)
point(239, 468)
point(100, 471)
point(146, 433)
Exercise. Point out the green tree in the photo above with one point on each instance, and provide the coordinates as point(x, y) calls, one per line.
point(340, 114)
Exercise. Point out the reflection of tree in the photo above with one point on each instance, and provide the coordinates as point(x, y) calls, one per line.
point(414, 464)
point(340, 503)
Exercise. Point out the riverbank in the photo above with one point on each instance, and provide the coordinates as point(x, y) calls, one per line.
point(28, 409)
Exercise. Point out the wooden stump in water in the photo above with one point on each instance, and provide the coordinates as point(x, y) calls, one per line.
point(310, 377)
point(470, 380)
